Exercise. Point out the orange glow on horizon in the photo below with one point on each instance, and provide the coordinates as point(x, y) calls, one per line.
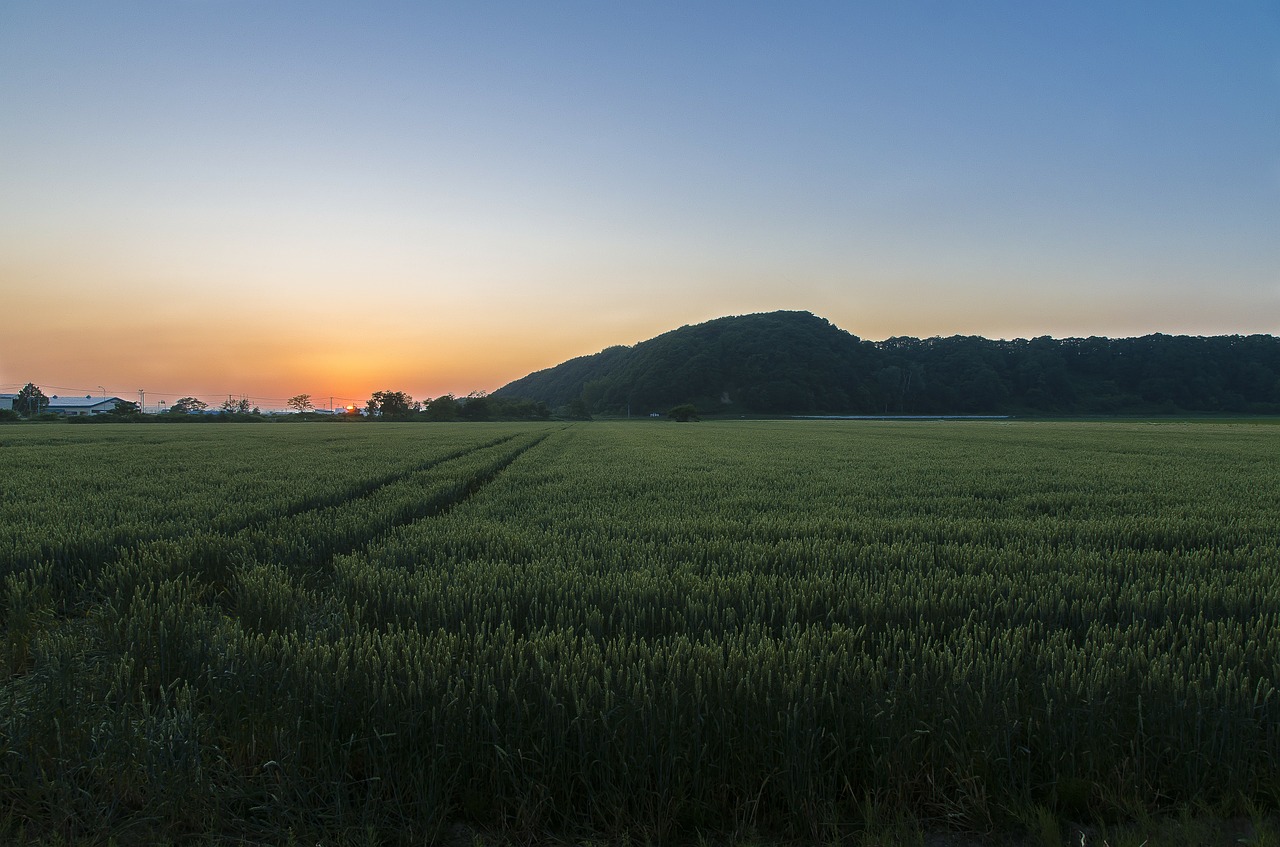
point(265, 357)
point(211, 341)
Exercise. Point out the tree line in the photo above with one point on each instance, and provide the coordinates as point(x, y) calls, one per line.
point(477, 406)
point(797, 363)
point(31, 403)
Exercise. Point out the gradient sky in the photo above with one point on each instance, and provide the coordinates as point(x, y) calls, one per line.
point(267, 198)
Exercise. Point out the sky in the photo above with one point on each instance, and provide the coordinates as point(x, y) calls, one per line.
point(248, 198)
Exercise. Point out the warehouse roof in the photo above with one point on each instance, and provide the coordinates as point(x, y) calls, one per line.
point(80, 402)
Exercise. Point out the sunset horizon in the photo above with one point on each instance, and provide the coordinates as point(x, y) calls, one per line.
point(273, 393)
point(223, 199)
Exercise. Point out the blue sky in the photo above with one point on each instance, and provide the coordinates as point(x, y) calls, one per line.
point(328, 197)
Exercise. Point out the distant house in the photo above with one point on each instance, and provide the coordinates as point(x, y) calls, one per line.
point(6, 401)
point(86, 405)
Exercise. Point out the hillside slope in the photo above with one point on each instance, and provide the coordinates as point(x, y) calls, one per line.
point(774, 362)
point(798, 363)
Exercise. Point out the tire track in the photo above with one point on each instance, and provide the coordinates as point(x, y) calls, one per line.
point(76, 573)
point(86, 557)
point(363, 489)
point(265, 595)
point(441, 502)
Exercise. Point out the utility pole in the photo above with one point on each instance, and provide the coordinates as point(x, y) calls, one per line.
point(142, 399)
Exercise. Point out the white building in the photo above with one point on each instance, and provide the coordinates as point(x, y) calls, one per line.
point(86, 405)
point(6, 401)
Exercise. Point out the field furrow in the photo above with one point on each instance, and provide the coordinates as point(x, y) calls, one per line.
point(788, 629)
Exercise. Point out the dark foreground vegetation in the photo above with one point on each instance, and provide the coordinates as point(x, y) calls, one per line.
point(762, 632)
point(796, 363)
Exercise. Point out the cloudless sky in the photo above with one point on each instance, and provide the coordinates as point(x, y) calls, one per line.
point(267, 198)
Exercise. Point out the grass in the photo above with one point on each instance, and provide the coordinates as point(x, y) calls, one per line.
point(739, 633)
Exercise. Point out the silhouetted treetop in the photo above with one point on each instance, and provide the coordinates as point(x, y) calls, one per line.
point(798, 363)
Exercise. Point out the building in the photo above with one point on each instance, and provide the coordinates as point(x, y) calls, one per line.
point(86, 405)
point(6, 401)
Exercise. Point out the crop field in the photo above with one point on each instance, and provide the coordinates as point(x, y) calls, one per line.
point(634, 631)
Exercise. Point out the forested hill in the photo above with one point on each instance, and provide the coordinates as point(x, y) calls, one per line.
point(797, 363)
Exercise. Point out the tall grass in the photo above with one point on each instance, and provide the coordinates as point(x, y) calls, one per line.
point(655, 631)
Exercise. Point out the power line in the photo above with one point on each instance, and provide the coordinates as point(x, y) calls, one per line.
point(334, 400)
point(17, 386)
point(162, 399)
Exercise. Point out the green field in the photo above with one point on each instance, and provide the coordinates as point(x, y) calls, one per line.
point(647, 631)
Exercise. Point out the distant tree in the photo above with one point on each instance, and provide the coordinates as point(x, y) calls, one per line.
point(475, 407)
point(187, 406)
point(390, 405)
point(123, 411)
point(31, 401)
point(515, 409)
point(443, 408)
point(889, 379)
point(593, 396)
point(236, 407)
point(578, 409)
point(300, 403)
point(684, 413)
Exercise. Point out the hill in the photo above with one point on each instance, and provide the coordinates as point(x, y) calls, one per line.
point(798, 363)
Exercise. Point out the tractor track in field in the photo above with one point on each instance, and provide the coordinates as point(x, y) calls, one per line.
point(433, 507)
point(316, 571)
point(475, 484)
point(78, 564)
point(357, 491)
point(361, 490)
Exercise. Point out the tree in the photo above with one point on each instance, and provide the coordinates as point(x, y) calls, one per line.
point(124, 409)
point(30, 400)
point(236, 407)
point(503, 409)
point(443, 408)
point(391, 405)
point(300, 403)
point(476, 407)
point(684, 413)
point(187, 406)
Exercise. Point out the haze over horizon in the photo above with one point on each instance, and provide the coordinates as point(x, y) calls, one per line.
point(220, 196)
